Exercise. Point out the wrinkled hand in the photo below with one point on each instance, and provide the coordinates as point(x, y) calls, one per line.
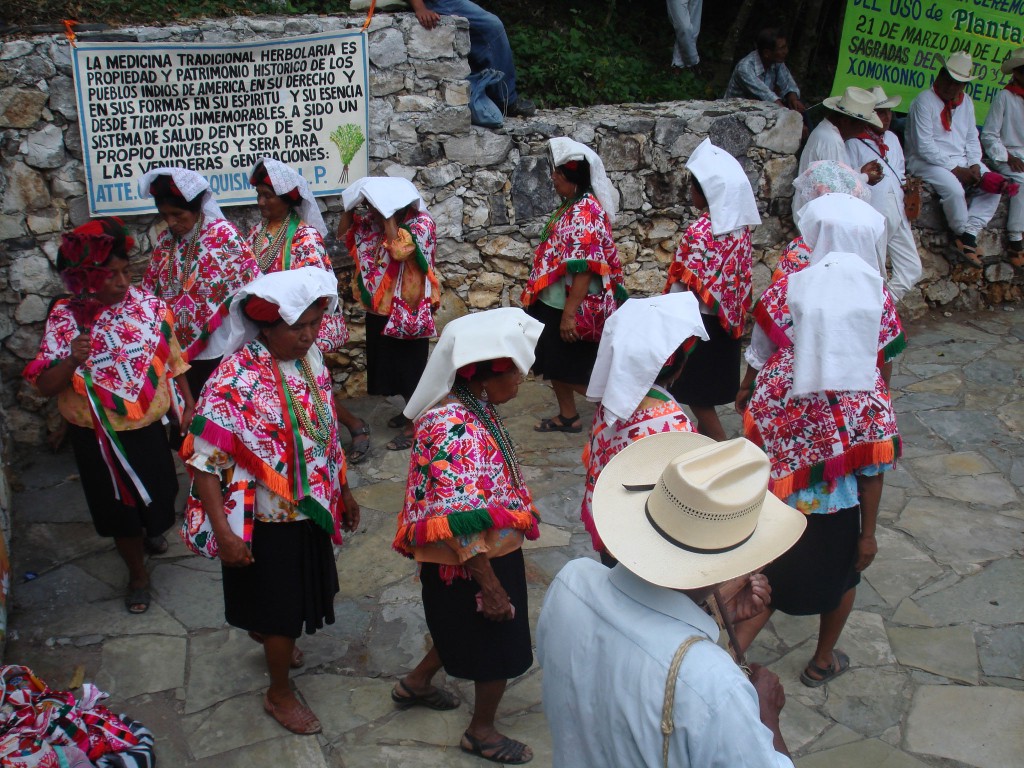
point(1015, 163)
point(770, 693)
point(874, 171)
point(867, 548)
point(233, 552)
point(963, 175)
point(81, 345)
point(753, 597)
point(350, 513)
point(567, 328)
point(496, 605)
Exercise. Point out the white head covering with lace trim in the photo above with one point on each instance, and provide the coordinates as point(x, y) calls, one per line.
point(284, 179)
point(826, 176)
point(387, 195)
point(726, 187)
point(189, 183)
point(563, 149)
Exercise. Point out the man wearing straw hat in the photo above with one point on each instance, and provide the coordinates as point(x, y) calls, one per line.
point(1003, 139)
point(632, 673)
point(882, 145)
point(944, 150)
point(845, 117)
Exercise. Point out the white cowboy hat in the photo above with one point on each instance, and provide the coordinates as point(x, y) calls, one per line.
point(857, 103)
point(885, 102)
point(1013, 60)
point(959, 66)
point(683, 511)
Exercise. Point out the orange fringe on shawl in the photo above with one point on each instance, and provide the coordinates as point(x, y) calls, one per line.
point(530, 295)
point(416, 534)
point(232, 444)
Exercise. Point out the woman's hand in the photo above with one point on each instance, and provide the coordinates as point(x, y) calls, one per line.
point(743, 399)
point(186, 418)
point(350, 511)
point(496, 605)
point(867, 548)
point(567, 328)
point(81, 345)
point(232, 551)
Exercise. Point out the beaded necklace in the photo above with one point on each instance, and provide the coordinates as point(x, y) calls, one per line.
point(488, 416)
point(191, 251)
point(267, 259)
point(561, 209)
point(321, 431)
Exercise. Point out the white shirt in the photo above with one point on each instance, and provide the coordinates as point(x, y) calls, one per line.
point(824, 143)
point(894, 165)
point(606, 639)
point(1003, 132)
point(929, 143)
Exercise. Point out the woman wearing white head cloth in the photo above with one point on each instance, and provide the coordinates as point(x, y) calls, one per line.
point(467, 510)
point(269, 475)
point(713, 261)
point(393, 244)
point(291, 237)
point(199, 261)
point(642, 352)
point(821, 409)
point(575, 267)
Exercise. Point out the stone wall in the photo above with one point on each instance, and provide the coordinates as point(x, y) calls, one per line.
point(488, 190)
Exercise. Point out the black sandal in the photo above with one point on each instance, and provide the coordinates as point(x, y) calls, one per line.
point(505, 750)
point(438, 698)
point(400, 442)
point(360, 447)
point(399, 421)
point(560, 424)
point(137, 600)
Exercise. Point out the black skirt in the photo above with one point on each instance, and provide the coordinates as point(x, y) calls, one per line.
point(393, 366)
point(558, 360)
point(811, 578)
point(290, 585)
point(473, 647)
point(712, 372)
point(149, 455)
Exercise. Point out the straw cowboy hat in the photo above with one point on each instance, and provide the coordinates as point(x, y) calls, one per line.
point(857, 103)
point(1013, 60)
point(885, 102)
point(683, 511)
point(959, 66)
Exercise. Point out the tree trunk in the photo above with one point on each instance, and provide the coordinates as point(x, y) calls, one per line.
point(808, 44)
point(727, 53)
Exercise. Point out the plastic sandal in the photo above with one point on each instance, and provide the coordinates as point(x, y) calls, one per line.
point(360, 447)
point(438, 698)
point(300, 720)
point(560, 424)
point(505, 750)
point(840, 663)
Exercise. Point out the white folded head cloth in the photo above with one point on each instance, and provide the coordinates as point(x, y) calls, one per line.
point(387, 195)
point(283, 179)
point(189, 183)
point(563, 149)
point(726, 187)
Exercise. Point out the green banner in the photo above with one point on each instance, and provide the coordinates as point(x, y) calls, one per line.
point(896, 43)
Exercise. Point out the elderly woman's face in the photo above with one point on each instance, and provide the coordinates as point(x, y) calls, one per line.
point(291, 342)
point(179, 220)
point(503, 387)
point(115, 286)
point(563, 186)
point(272, 207)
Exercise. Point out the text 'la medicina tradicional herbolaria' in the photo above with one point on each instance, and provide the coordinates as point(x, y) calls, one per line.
point(150, 109)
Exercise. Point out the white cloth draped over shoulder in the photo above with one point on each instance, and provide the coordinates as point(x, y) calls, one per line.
point(726, 187)
point(563, 149)
point(189, 183)
point(284, 179)
point(638, 338)
point(385, 194)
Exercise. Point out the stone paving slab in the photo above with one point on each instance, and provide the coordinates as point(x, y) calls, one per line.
point(946, 651)
point(860, 754)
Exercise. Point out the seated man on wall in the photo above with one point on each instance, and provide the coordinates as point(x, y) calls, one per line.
point(1003, 139)
point(846, 116)
point(882, 145)
point(488, 48)
point(763, 74)
point(944, 150)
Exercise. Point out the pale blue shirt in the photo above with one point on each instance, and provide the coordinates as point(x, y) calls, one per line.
point(606, 639)
point(751, 80)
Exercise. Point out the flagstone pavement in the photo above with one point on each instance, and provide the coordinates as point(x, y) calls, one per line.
point(936, 638)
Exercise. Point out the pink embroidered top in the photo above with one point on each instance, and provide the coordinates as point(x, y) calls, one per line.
point(197, 276)
point(578, 239)
point(795, 256)
point(717, 269)
point(133, 358)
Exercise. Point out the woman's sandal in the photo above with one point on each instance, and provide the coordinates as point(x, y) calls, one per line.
point(840, 663)
point(438, 698)
point(155, 545)
point(137, 600)
point(400, 442)
point(298, 657)
point(399, 421)
point(560, 424)
point(300, 720)
point(504, 750)
point(360, 447)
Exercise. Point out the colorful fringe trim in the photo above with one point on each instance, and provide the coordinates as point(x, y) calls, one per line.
point(894, 348)
point(575, 267)
point(421, 532)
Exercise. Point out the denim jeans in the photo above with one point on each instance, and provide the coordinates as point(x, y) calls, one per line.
point(488, 45)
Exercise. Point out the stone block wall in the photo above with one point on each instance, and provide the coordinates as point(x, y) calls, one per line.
point(489, 191)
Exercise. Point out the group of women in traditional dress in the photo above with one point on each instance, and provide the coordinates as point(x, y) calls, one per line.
point(241, 325)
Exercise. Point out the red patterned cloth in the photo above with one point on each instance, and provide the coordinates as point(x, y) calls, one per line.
point(717, 269)
point(828, 434)
point(579, 240)
point(795, 256)
point(200, 300)
point(305, 249)
point(608, 438)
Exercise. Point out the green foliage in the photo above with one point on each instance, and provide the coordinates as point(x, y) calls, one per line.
point(28, 12)
point(587, 63)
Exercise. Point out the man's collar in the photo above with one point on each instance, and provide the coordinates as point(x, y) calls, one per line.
point(663, 600)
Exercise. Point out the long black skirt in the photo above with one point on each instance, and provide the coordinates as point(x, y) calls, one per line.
point(149, 455)
point(290, 585)
point(558, 360)
point(473, 647)
point(393, 366)
point(811, 578)
point(712, 372)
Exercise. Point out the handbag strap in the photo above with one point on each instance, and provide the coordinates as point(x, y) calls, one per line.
point(667, 719)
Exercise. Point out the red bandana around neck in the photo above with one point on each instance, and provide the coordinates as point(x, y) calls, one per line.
point(883, 148)
point(1012, 87)
point(947, 109)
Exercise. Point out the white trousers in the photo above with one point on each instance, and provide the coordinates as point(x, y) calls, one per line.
point(685, 17)
point(965, 212)
point(1015, 221)
point(899, 246)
